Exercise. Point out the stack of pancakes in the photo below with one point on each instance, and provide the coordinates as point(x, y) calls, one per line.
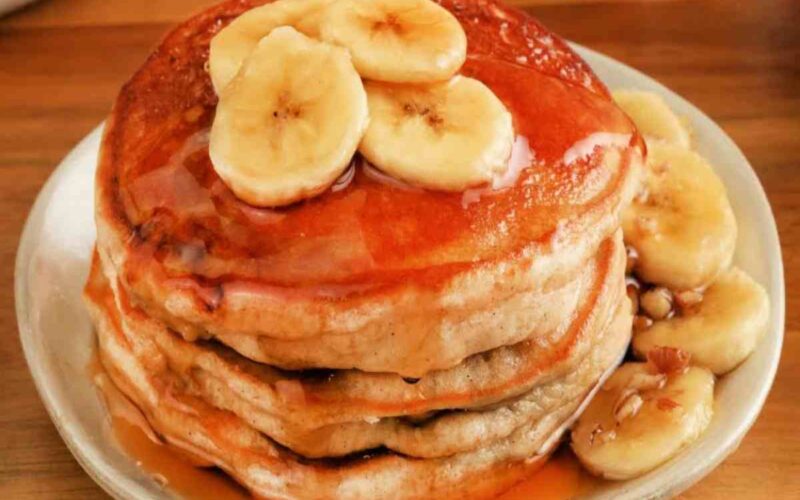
point(377, 340)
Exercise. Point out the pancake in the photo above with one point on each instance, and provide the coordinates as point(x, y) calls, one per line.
point(544, 317)
point(371, 262)
point(377, 340)
point(220, 438)
point(539, 314)
point(319, 399)
point(440, 434)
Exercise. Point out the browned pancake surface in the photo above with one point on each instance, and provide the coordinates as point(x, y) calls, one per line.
point(164, 192)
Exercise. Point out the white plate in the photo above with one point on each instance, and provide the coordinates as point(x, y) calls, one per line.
point(52, 263)
point(9, 5)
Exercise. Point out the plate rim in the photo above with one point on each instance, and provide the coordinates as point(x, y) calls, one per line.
point(9, 6)
point(776, 271)
point(96, 469)
point(91, 461)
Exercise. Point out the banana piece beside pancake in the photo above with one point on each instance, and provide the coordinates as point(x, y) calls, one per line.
point(652, 116)
point(719, 332)
point(708, 316)
point(641, 418)
point(681, 224)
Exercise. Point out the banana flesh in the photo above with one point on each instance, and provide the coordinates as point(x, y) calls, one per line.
point(652, 116)
point(231, 46)
point(430, 127)
point(641, 418)
point(682, 233)
point(721, 330)
point(417, 133)
point(291, 120)
point(402, 41)
point(682, 224)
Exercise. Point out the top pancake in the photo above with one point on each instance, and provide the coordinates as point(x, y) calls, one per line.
point(371, 255)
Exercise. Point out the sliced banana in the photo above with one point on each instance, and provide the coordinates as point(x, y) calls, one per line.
point(289, 123)
point(682, 224)
point(231, 46)
point(641, 419)
point(720, 331)
point(447, 136)
point(652, 116)
point(397, 40)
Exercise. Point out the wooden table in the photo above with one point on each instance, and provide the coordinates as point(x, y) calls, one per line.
point(62, 61)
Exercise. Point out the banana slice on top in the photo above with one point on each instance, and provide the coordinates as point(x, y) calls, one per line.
point(448, 136)
point(289, 123)
point(642, 418)
point(681, 224)
point(652, 116)
point(231, 46)
point(721, 330)
point(397, 40)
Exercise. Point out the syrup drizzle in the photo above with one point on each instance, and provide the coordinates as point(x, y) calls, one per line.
point(373, 173)
point(170, 468)
point(561, 478)
point(345, 179)
point(521, 158)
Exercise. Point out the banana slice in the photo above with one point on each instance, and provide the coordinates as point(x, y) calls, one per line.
point(426, 134)
point(231, 46)
point(641, 419)
point(681, 224)
point(652, 116)
point(721, 330)
point(289, 123)
point(397, 40)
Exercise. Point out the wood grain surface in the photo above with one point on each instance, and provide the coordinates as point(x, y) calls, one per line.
point(62, 61)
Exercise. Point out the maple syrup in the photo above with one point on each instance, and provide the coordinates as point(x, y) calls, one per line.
point(561, 477)
point(180, 473)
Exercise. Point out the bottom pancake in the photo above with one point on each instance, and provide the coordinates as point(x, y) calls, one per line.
point(267, 469)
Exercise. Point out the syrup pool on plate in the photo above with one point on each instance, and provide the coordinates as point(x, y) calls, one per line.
point(560, 478)
point(171, 468)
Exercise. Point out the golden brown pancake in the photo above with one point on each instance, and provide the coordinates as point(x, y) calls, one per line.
point(286, 406)
point(323, 398)
point(371, 262)
point(224, 439)
point(377, 340)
